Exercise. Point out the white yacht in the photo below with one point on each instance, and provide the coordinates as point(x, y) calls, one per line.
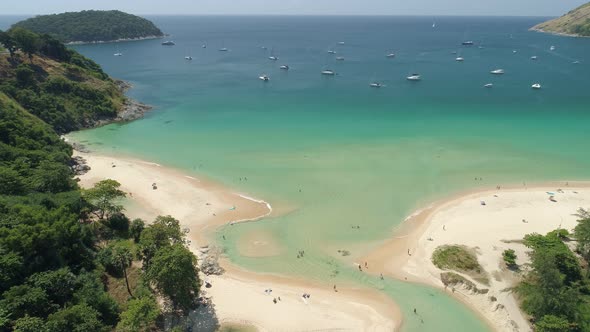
point(514, 51)
point(413, 77)
point(284, 67)
point(223, 49)
point(188, 58)
point(168, 43)
point(375, 85)
point(204, 46)
point(340, 43)
point(264, 78)
point(468, 43)
point(534, 57)
point(331, 52)
point(273, 58)
point(118, 54)
point(460, 59)
point(536, 86)
point(328, 72)
point(552, 48)
point(497, 72)
point(488, 85)
point(340, 58)
point(391, 55)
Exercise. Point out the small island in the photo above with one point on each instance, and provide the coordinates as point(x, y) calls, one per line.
point(92, 26)
point(576, 23)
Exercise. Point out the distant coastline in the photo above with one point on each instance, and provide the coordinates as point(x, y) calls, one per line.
point(121, 40)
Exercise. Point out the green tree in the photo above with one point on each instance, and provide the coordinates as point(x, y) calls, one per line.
point(509, 257)
point(550, 323)
point(582, 234)
point(7, 41)
point(136, 228)
point(164, 231)
point(103, 198)
point(173, 272)
point(26, 40)
point(29, 324)
point(77, 318)
point(141, 315)
point(123, 258)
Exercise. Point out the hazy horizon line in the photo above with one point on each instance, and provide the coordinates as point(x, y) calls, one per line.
point(316, 15)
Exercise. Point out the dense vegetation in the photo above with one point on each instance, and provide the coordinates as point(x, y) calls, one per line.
point(91, 26)
point(63, 250)
point(576, 22)
point(556, 291)
point(54, 83)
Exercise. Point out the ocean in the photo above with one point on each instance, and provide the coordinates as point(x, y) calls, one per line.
point(336, 153)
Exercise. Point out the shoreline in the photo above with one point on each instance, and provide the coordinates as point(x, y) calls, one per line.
point(202, 206)
point(555, 33)
point(121, 40)
point(406, 255)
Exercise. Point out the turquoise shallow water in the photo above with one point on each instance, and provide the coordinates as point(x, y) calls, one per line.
point(360, 156)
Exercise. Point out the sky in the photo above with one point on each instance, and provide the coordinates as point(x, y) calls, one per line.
point(299, 7)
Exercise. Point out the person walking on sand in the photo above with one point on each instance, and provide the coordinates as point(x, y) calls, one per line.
point(415, 311)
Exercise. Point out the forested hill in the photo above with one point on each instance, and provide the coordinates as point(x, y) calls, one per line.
point(70, 260)
point(576, 23)
point(92, 26)
point(60, 86)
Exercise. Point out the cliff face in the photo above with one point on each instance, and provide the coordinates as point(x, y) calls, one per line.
point(574, 23)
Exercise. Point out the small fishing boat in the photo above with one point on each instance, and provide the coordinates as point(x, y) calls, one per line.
point(534, 57)
point(328, 72)
point(391, 55)
point(414, 77)
point(204, 46)
point(188, 58)
point(264, 78)
point(168, 43)
point(552, 48)
point(497, 72)
point(576, 62)
point(223, 49)
point(375, 85)
point(284, 67)
point(331, 52)
point(514, 51)
point(467, 43)
point(459, 59)
point(340, 58)
point(273, 58)
point(536, 86)
point(489, 85)
point(340, 43)
point(118, 54)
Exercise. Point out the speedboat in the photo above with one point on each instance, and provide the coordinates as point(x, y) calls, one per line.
point(340, 43)
point(375, 85)
point(188, 57)
point(328, 72)
point(264, 78)
point(460, 59)
point(284, 67)
point(332, 52)
point(534, 57)
point(118, 54)
point(467, 43)
point(536, 86)
point(514, 51)
point(552, 48)
point(223, 49)
point(489, 85)
point(340, 58)
point(391, 55)
point(413, 77)
point(168, 43)
point(273, 58)
point(497, 72)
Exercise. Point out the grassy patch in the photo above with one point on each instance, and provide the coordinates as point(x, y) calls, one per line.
point(116, 286)
point(461, 259)
point(237, 328)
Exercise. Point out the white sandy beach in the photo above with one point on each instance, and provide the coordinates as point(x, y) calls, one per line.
point(489, 229)
point(239, 296)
